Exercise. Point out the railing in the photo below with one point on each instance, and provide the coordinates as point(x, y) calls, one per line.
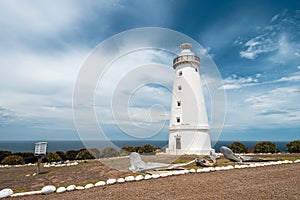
point(186, 58)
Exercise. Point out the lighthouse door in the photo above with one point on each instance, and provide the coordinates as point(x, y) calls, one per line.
point(178, 142)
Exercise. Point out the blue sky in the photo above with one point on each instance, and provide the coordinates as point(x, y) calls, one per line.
point(255, 44)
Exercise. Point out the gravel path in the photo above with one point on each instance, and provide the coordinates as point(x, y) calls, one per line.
point(271, 182)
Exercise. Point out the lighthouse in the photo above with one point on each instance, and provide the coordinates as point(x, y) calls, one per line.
point(188, 128)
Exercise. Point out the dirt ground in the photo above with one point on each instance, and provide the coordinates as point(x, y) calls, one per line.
point(21, 179)
point(271, 182)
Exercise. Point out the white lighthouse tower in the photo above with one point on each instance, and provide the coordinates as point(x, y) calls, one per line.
point(189, 128)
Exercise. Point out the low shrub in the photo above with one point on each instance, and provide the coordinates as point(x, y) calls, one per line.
point(4, 154)
point(61, 154)
point(71, 154)
point(84, 155)
point(28, 157)
point(293, 147)
point(147, 148)
point(265, 147)
point(238, 147)
point(13, 160)
point(109, 152)
point(51, 157)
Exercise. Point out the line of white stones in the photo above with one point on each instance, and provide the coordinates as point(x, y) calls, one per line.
point(50, 188)
point(45, 165)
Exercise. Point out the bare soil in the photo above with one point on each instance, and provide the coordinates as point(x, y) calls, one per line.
point(274, 181)
point(271, 182)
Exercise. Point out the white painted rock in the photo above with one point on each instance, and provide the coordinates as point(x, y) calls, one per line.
point(147, 176)
point(111, 181)
point(192, 170)
point(26, 193)
point(5, 193)
point(79, 188)
point(61, 190)
point(297, 161)
point(100, 183)
point(139, 177)
point(48, 189)
point(155, 175)
point(129, 178)
point(163, 175)
point(71, 187)
point(169, 173)
point(87, 186)
point(121, 180)
point(176, 172)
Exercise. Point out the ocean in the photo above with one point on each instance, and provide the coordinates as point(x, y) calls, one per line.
point(28, 146)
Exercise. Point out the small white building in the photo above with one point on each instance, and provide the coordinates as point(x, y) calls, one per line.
point(189, 128)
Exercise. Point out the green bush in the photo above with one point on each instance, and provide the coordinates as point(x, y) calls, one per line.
point(4, 154)
point(51, 157)
point(71, 155)
point(84, 155)
point(238, 147)
point(147, 148)
point(293, 147)
point(265, 147)
point(109, 152)
point(95, 152)
point(126, 150)
point(61, 154)
point(13, 160)
point(28, 157)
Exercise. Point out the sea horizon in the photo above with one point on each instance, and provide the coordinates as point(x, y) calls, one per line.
point(66, 145)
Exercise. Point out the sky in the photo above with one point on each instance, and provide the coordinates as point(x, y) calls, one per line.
point(43, 45)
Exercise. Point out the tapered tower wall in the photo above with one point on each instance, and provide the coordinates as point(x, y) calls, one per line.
point(189, 128)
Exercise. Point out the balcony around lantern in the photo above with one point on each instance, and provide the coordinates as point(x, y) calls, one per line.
point(186, 59)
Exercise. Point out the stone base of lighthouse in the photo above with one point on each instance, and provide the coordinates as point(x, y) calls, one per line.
point(189, 142)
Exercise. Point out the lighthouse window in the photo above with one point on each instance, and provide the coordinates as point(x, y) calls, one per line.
point(179, 87)
point(178, 103)
point(178, 119)
point(196, 69)
point(180, 73)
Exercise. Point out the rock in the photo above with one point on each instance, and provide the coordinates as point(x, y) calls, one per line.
point(155, 175)
point(100, 183)
point(87, 186)
point(71, 187)
point(177, 172)
point(111, 181)
point(121, 180)
point(169, 173)
point(129, 178)
point(48, 189)
point(164, 175)
point(192, 170)
point(5, 193)
point(139, 177)
point(61, 190)
point(79, 188)
point(26, 193)
point(147, 176)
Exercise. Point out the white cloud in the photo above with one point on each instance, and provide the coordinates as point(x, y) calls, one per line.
point(277, 106)
point(295, 77)
point(235, 82)
point(279, 38)
point(274, 18)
